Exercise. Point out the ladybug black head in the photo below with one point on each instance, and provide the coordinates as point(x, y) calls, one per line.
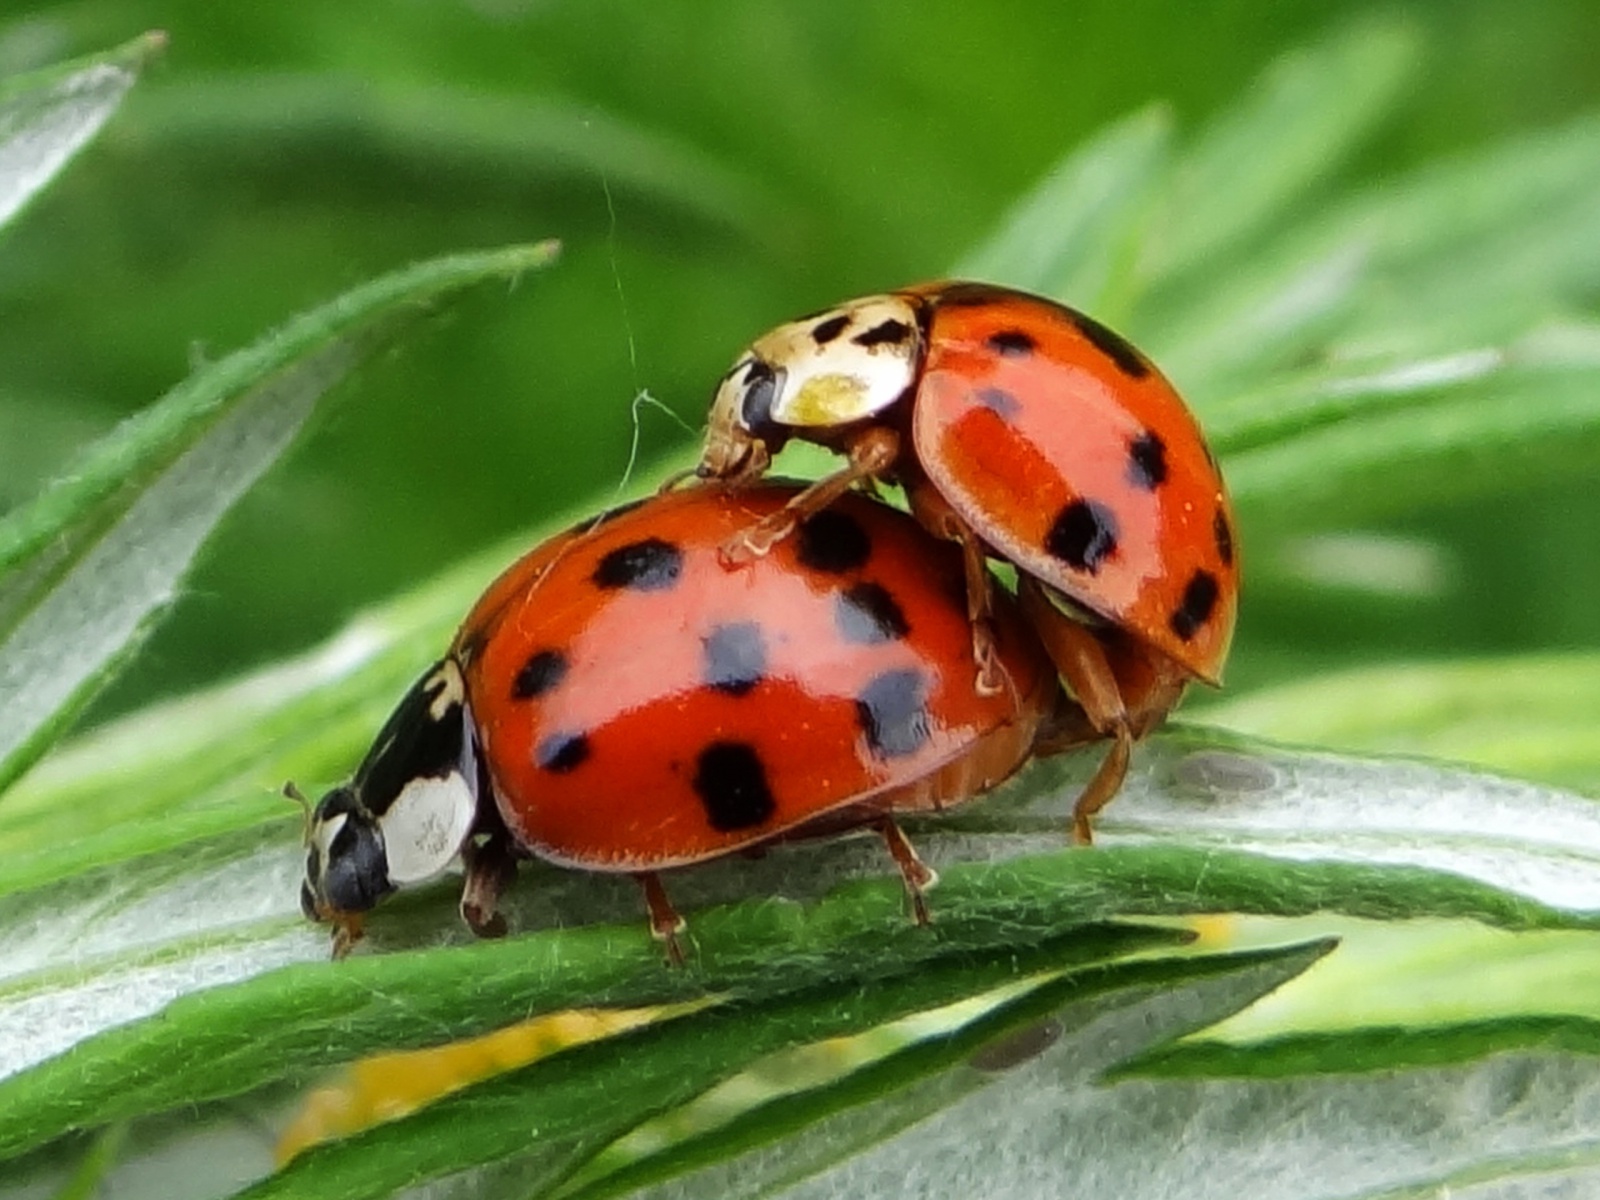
point(347, 869)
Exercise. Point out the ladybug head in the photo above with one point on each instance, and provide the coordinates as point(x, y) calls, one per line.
point(407, 814)
point(819, 373)
point(347, 868)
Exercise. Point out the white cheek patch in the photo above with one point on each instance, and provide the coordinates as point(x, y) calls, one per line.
point(322, 835)
point(425, 826)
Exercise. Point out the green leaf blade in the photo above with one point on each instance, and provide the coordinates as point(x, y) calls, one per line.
point(546, 1119)
point(1296, 125)
point(1073, 235)
point(1202, 827)
point(1529, 715)
point(48, 116)
point(150, 493)
point(928, 1115)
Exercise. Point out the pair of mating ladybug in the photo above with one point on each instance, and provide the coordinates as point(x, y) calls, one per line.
point(731, 664)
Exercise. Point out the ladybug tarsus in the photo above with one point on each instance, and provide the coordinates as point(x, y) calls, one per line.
point(1105, 783)
point(491, 867)
point(675, 480)
point(347, 931)
point(665, 923)
point(918, 877)
point(755, 542)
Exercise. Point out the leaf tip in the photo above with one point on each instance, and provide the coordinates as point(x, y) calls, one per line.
point(142, 50)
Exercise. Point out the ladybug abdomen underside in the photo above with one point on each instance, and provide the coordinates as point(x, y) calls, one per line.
point(1074, 458)
point(642, 706)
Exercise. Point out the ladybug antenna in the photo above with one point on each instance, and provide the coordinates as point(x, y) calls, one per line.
point(299, 797)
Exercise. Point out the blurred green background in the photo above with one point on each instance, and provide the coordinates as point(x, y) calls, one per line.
point(712, 166)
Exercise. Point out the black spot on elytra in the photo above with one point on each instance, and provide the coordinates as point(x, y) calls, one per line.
point(1083, 535)
point(833, 542)
point(539, 675)
point(760, 390)
point(885, 333)
point(561, 752)
point(651, 565)
point(732, 784)
point(1147, 461)
point(892, 711)
point(1224, 535)
point(735, 657)
point(999, 401)
point(1113, 345)
point(1012, 343)
point(826, 331)
point(1199, 598)
point(866, 614)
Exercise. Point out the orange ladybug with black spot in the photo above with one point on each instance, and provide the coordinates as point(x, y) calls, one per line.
point(1024, 430)
point(619, 701)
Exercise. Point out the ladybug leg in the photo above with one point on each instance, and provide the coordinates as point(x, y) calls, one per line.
point(490, 869)
point(665, 923)
point(1065, 729)
point(918, 876)
point(347, 931)
point(1082, 661)
point(933, 513)
point(872, 452)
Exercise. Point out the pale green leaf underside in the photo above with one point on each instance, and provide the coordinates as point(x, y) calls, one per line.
point(100, 553)
point(1012, 1063)
point(48, 116)
point(1516, 1124)
point(1533, 715)
point(1192, 833)
point(1161, 999)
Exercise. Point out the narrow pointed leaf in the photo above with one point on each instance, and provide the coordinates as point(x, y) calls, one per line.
point(1074, 235)
point(1201, 827)
point(120, 532)
point(1528, 715)
point(1294, 126)
point(1473, 251)
point(451, 129)
point(1421, 444)
point(48, 116)
point(543, 1121)
point(923, 1122)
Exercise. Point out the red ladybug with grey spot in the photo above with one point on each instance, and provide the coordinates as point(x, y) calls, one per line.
point(1023, 430)
point(620, 701)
